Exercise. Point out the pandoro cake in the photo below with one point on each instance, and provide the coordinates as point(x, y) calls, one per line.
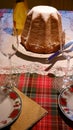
point(43, 31)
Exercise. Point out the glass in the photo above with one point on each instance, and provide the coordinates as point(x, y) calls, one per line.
point(64, 74)
point(68, 70)
point(7, 49)
point(3, 90)
point(60, 81)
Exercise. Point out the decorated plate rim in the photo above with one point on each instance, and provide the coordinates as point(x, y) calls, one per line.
point(65, 110)
point(17, 108)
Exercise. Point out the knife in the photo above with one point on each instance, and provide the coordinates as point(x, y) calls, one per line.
point(59, 51)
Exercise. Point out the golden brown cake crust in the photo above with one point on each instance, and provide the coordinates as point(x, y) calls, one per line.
point(43, 36)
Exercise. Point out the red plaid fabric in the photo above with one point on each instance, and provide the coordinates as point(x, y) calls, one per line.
point(39, 88)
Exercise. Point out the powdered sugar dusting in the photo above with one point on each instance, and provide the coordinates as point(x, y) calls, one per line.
point(45, 11)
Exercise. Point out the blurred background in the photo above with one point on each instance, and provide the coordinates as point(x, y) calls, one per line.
point(59, 4)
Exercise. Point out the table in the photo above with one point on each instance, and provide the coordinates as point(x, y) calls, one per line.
point(39, 88)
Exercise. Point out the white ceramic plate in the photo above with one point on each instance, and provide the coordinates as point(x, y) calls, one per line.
point(65, 102)
point(10, 109)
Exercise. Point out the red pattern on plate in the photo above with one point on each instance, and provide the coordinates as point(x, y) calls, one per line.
point(13, 95)
point(4, 122)
point(14, 113)
point(71, 88)
point(63, 101)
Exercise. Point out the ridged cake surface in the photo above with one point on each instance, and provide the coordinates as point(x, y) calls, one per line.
point(42, 32)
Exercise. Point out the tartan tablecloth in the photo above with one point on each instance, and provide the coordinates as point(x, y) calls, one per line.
point(39, 88)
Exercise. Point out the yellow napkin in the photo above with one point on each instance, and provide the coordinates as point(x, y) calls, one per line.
point(31, 113)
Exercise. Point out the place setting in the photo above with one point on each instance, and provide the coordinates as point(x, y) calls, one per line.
point(15, 112)
point(63, 79)
point(63, 84)
point(14, 105)
point(10, 101)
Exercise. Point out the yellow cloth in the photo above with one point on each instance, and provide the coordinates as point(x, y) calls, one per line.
point(30, 114)
point(19, 15)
